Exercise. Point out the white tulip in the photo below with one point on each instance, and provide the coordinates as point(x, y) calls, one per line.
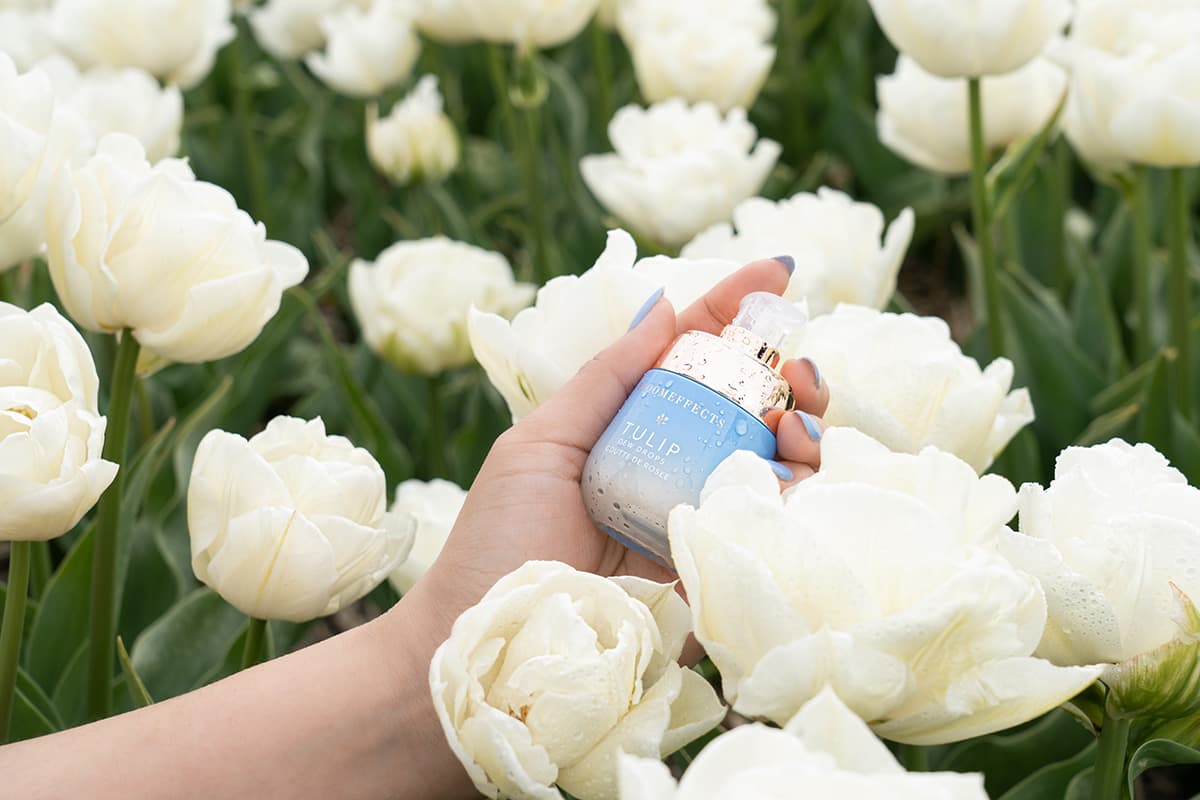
point(1116, 527)
point(842, 252)
point(150, 248)
point(1133, 97)
point(25, 36)
point(291, 524)
point(174, 40)
point(433, 509)
point(416, 140)
point(526, 24)
point(126, 100)
point(971, 38)
point(289, 29)
point(556, 672)
point(575, 317)
point(678, 169)
point(51, 433)
point(825, 751)
point(924, 118)
point(447, 21)
point(367, 51)
point(412, 301)
point(26, 110)
point(902, 380)
point(879, 577)
point(718, 52)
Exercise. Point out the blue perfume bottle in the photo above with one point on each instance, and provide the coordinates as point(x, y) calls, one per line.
point(705, 400)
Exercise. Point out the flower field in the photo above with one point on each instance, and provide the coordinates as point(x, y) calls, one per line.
point(281, 281)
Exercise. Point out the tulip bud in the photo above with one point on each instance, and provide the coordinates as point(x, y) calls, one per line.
point(416, 140)
point(366, 51)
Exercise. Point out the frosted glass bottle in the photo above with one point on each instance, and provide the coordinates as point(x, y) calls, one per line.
point(705, 400)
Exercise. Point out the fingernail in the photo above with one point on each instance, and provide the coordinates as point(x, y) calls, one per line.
point(645, 309)
point(816, 372)
point(781, 470)
point(810, 425)
point(788, 262)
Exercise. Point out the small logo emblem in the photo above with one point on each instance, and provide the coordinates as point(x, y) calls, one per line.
point(662, 419)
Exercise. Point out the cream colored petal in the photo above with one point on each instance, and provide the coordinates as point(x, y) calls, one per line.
point(825, 724)
point(644, 779)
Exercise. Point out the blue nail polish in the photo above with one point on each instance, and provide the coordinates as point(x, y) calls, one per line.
point(816, 372)
point(782, 471)
point(788, 262)
point(645, 309)
point(811, 425)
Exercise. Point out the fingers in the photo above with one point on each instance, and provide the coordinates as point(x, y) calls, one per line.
point(792, 472)
point(810, 391)
point(799, 438)
point(579, 412)
point(716, 309)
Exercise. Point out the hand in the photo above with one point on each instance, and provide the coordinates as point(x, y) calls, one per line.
point(526, 502)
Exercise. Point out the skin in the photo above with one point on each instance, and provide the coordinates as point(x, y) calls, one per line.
point(351, 717)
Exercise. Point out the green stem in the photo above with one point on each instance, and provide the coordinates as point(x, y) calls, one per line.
point(524, 143)
point(1109, 776)
point(1061, 193)
point(914, 757)
point(8, 286)
point(256, 636)
point(39, 568)
point(145, 411)
point(1139, 206)
point(10, 629)
point(982, 215)
point(108, 527)
point(243, 110)
point(436, 461)
point(602, 59)
point(1181, 291)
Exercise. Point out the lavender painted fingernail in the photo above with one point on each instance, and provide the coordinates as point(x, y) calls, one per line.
point(781, 470)
point(645, 309)
point(788, 262)
point(816, 372)
point(811, 426)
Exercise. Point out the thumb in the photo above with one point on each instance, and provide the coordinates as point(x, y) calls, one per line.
point(580, 411)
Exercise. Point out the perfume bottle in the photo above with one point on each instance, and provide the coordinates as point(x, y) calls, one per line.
point(705, 400)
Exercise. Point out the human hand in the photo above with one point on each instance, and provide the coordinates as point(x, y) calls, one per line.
point(526, 502)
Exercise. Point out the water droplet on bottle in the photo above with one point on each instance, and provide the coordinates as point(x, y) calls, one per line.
point(740, 427)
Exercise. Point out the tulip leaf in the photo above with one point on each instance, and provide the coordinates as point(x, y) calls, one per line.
point(33, 712)
point(1007, 758)
point(70, 692)
point(1159, 753)
point(1053, 781)
point(1107, 426)
point(175, 653)
point(1131, 387)
point(137, 689)
point(1009, 175)
point(61, 620)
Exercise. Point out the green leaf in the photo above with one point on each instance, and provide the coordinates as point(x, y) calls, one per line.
point(33, 711)
point(61, 621)
point(1131, 387)
point(1052, 782)
point(1006, 759)
point(175, 653)
point(1159, 753)
point(1008, 175)
point(1110, 425)
point(137, 689)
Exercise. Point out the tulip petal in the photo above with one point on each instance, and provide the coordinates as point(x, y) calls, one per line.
point(825, 724)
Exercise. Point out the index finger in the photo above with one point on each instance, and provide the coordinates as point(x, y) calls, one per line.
point(716, 309)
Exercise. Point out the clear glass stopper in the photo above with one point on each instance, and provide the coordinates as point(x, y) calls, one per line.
point(770, 317)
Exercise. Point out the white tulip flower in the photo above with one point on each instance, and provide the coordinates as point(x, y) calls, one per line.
point(150, 248)
point(174, 40)
point(575, 317)
point(971, 38)
point(448, 21)
point(718, 52)
point(1115, 528)
point(555, 673)
point(51, 433)
point(678, 169)
point(290, 29)
point(525, 24)
point(825, 751)
point(433, 508)
point(879, 577)
point(26, 110)
point(924, 118)
point(1133, 97)
point(366, 51)
point(412, 302)
point(416, 140)
point(25, 36)
point(843, 250)
point(901, 379)
point(291, 524)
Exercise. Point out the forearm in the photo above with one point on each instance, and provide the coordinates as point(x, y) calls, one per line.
point(349, 717)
